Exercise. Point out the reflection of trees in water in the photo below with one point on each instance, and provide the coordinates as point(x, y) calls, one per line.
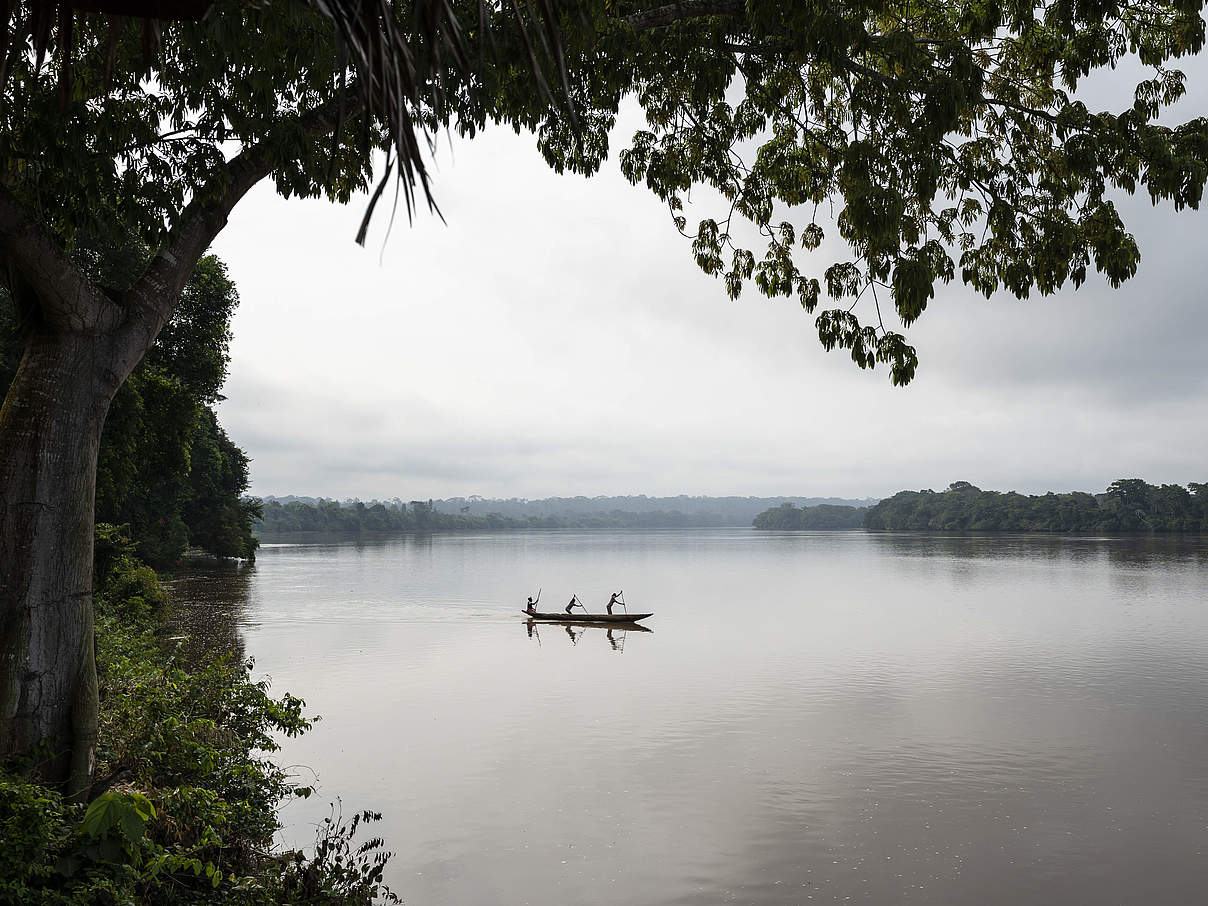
point(210, 601)
point(1148, 550)
point(356, 540)
point(1118, 550)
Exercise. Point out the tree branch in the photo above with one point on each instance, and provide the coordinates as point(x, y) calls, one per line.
point(689, 9)
point(152, 298)
point(65, 298)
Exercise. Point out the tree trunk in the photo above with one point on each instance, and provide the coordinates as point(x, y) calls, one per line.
point(50, 430)
point(87, 343)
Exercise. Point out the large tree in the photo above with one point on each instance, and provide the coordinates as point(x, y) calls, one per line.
point(931, 139)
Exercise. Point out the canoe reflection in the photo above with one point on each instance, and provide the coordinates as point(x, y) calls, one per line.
point(615, 633)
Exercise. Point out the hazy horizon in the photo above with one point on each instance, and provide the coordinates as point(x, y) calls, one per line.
point(384, 498)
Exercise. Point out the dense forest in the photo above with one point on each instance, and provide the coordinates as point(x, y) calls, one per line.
point(824, 516)
point(1128, 505)
point(166, 468)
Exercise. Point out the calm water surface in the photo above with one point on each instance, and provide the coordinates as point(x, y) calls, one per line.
point(816, 717)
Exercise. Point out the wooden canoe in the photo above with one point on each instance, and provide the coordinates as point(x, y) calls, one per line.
point(579, 624)
point(564, 617)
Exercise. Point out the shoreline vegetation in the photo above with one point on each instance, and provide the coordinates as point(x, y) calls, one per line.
point(184, 806)
point(1128, 506)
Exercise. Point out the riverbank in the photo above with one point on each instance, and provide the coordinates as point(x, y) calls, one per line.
point(184, 806)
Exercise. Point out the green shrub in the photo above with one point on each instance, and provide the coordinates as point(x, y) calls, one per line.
point(126, 587)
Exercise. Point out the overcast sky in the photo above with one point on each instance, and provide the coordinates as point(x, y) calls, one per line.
point(556, 338)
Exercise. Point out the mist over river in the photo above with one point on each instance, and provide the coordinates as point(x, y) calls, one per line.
point(815, 717)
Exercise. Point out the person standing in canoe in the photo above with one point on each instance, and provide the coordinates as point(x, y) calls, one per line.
point(615, 599)
point(574, 599)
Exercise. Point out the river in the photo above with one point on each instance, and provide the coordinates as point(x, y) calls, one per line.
point(815, 717)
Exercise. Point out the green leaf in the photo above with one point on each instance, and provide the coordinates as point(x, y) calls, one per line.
point(127, 813)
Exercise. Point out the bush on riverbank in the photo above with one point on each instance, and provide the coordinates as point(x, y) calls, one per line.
point(184, 807)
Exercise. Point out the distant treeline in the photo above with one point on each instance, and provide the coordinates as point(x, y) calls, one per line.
point(824, 516)
point(1128, 505)
point(636, 510)
point(331, 516)
point(423, 516)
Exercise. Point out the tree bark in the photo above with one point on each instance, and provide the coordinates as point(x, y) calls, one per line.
point(50, 430)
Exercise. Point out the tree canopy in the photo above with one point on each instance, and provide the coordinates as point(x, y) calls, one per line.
point(859, 154)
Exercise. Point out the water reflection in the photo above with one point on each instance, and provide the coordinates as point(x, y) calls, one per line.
point(575, 630)
point(210, 601)
point(1125, 550)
